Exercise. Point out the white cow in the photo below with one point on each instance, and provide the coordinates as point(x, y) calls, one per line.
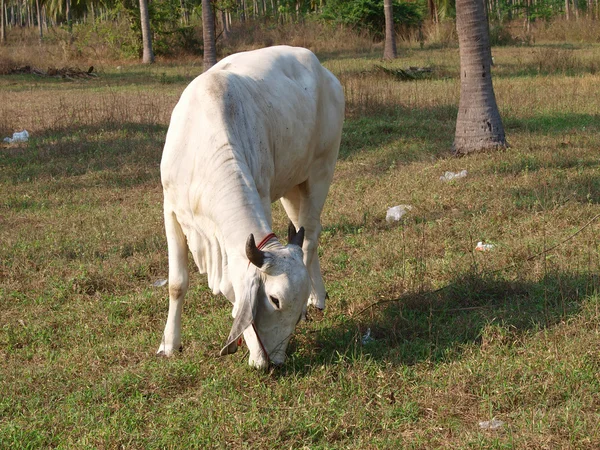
point(258, 126)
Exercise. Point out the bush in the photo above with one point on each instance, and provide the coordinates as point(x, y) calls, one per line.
point(500, 35)
point(168, 33)
point(109, 38)
point(368, 15)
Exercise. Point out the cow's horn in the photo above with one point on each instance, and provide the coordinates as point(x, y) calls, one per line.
point(296, 238)
point(256, 256)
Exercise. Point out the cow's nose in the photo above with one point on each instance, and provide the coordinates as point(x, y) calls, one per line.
point(277, 359)
point(260, 363)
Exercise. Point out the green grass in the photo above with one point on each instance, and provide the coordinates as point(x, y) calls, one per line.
point(459, 336)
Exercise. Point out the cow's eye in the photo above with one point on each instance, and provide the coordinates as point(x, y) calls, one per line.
point(275, 301)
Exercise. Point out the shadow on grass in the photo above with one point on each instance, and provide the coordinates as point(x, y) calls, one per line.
point(584, 189)
point(69, 153)
point(80, 149)
point(436, 326)
point(432, 128)
point(138, 77)
point(339, 55)
point(532, 70)
point(152, 77)
point(553, 124)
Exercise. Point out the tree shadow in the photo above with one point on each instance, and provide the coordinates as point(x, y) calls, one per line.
point(554, 124)
point(407, 134)
point(342, 54)
point(437, 325)
point(139, 77)
point(583, 189)
point(67, 153)
point(142, 77)
point(432, 128)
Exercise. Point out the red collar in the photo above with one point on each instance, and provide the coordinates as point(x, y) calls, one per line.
point(267, 238)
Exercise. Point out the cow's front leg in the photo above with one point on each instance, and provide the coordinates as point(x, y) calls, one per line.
point(303, 205)
point(178, 285)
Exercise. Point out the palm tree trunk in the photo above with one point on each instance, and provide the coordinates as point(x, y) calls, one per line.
point(478, 125)
point(208, 35)
point(389, 51)
point(184, 12)
point(45, 17)
point(2, 23)
point(225, 25)
point(433, 15)
point(148, 54)
point(39, 19)
point(69, 19)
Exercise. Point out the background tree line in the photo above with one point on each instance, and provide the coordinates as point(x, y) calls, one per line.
point(174, 21)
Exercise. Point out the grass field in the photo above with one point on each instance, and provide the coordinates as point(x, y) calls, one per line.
point(458, 336)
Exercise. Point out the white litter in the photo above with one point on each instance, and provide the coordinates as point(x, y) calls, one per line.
point(159, 283)
point(481, 247)
point(453, 175)
point(395, 213)
point(19, 136)
point(493, 424)
point(367, 337)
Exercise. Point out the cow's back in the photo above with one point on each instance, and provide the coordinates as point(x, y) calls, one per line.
point(277, 107)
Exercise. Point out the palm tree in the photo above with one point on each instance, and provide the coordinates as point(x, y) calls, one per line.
point(208, 35)
point(439, 9)
point(478, 125)
point(389, 51)
point(2, 25)
point(225, 24)
point(433, 14)
point(148, 54)
point(69, 14)
point(39, 20)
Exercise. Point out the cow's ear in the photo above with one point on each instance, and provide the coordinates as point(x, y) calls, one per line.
point(246, 312)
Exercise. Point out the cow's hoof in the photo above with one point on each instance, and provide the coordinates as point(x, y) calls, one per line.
point(316, 303)
point(164, 352)
point(318, 311)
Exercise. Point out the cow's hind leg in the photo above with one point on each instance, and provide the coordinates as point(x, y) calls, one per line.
point(178, 284)
point(303, 205)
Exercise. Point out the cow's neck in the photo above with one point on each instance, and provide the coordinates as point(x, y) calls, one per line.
point(236, 205)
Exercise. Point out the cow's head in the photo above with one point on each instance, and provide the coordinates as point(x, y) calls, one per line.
point(275, 293)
